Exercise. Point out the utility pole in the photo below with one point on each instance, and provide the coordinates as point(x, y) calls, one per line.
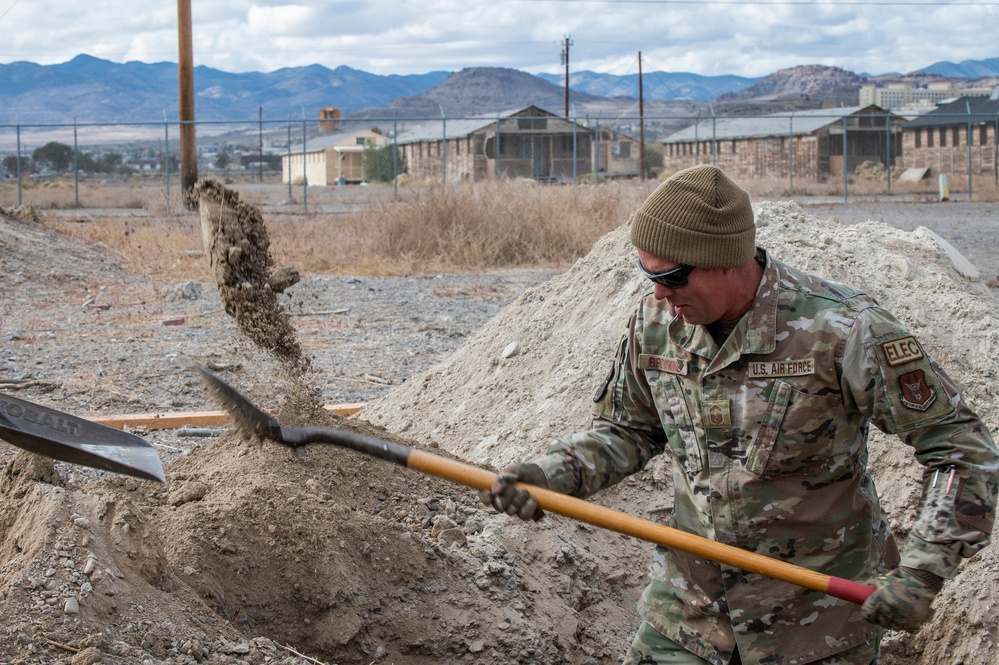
point(185, 76)
point(567, 42)
point(641, 122)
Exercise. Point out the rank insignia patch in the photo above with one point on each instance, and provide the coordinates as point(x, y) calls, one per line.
point(716, 413)
point(916, 392)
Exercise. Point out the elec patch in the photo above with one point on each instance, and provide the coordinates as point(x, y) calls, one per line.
point(911, 386)
point(900, 351)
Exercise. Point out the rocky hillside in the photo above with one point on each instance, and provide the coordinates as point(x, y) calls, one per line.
point(476, 90)
point(796, 81)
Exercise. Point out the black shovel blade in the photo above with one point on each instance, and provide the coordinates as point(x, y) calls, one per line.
point(58, 435)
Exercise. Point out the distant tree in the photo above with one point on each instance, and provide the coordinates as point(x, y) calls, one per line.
point(222, 161)
point(54, 155)
point(109, 162)
point(652, 160)
point(10, 165)
point(172, 163)
point(85, 162)
point(379, 165)
point(376, 130)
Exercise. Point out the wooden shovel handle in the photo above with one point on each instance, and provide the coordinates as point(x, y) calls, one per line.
point(637, 527)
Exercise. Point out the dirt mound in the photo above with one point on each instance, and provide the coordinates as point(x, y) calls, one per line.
point(35, 259)
point(494, 403)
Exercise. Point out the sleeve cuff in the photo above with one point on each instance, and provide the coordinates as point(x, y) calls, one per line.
point(558, 469)
point(940, 559)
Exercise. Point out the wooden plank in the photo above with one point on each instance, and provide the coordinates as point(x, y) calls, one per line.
point(194, 418)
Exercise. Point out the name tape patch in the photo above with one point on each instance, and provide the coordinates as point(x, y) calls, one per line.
point(663, 364)
point(781, 368)
point(900, 351)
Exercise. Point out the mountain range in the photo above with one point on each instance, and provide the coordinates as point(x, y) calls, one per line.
point(89, 89)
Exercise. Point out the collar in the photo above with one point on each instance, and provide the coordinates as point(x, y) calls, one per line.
point(754, 333)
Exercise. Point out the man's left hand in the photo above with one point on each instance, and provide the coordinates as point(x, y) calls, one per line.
point(902, 598)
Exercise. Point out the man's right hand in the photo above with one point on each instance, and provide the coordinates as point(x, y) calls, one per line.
point(506, 498)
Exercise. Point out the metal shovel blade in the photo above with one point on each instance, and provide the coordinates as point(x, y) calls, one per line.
point(58, 435)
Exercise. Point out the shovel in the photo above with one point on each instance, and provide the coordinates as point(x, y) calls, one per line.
point(39, 429)
point(252, 420)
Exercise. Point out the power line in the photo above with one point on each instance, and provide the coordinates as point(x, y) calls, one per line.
point(806, 3)
point(7, 11)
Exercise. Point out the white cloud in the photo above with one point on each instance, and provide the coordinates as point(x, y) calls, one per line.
point(410, 36)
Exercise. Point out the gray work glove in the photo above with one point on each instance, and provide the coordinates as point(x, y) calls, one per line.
point(902, 598)
point(506, 498)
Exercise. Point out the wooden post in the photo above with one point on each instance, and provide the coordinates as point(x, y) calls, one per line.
point(641, 122)
point(185, 75)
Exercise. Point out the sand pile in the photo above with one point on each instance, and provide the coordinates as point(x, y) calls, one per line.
point(527, 376)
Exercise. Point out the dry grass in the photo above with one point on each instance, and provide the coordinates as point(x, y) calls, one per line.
point(459, 228)
point(482, 226)
point(371, 230)
point(168, 248)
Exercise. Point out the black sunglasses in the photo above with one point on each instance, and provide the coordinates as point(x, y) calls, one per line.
point(671, 279)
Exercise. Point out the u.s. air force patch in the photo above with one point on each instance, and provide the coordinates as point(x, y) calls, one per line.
point(910, 383)
point(916, 393)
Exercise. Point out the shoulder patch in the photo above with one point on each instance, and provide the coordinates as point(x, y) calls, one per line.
point(901, 351)
point(911, 385)
point(602, 389)
point(916, 392)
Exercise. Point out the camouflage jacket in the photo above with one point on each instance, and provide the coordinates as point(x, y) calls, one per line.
point(767, 436)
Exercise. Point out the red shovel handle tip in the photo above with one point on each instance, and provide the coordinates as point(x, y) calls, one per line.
point(855, 592)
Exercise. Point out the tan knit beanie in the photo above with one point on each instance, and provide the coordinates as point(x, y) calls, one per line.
point(697, 217)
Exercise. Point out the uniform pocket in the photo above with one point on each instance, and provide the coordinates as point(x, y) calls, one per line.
point(676, 420)
point(797, 433)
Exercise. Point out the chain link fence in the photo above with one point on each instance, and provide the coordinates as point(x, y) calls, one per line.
point(830, 152)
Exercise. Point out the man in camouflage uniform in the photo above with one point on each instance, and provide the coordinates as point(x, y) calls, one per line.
point(760, 382)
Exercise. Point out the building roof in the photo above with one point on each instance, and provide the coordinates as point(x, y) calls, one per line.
point(461, 127)
point(798, 123)
point(956, 113)
point(324, 141)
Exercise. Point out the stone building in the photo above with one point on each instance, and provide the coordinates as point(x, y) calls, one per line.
point(956, 137)
point(813, 145)
point(532, 143)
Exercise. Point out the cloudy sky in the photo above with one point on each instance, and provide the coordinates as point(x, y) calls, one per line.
point(746, 38)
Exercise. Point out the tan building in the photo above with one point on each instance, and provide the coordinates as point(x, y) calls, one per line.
point(955, 137)
point(814, 145)
point(897, 96)
point(618, 155)
point(532, 143)
point(330, 159)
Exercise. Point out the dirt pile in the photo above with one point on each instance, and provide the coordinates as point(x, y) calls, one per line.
point(528, 374)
